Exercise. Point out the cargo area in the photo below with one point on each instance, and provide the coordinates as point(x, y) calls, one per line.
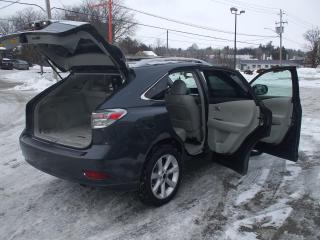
point(64, 115)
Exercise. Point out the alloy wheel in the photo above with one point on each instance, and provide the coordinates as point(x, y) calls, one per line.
point(165, 176)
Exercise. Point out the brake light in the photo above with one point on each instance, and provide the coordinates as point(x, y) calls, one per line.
point(106, 118)
point(95, 175)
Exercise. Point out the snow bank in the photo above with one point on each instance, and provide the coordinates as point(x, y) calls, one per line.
point(308, 77)
point(31, 79)
point(37, 83)
point(309, 73)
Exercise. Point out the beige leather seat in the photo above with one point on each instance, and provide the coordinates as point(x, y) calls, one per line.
point(183, 111)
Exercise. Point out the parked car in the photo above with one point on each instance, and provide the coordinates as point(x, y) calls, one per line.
point(6, 64)
point(20, 64)
point(249, 72)
point(133, 128)
point(261, 70)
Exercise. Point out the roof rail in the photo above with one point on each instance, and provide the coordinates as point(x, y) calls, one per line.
point(165, 60)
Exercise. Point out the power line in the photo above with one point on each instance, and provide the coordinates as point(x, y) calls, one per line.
point(264, 8)
point(254, 5)
point(293, 41)
point(163, 28)
point(185, 23)
point(242, 5)
point(23, 3)
point(9, 4)
point(185, 36)
point(178, 40)
point(300, 22)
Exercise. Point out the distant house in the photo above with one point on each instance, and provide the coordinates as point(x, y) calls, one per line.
point(253, 64)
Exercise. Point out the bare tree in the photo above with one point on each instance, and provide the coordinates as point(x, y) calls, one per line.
point(6, 27)
point(312, 36)
point(23, 18)
point(123, 22)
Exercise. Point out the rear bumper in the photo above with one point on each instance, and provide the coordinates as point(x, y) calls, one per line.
point(69, 164)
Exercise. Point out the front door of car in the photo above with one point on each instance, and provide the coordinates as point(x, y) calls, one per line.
point(235, 121)
point(278, 89)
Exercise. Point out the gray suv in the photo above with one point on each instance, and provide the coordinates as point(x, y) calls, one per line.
point(132, 128)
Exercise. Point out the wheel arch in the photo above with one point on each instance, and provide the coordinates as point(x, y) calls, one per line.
point(171, 141)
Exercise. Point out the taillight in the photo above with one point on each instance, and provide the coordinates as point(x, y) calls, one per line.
point(106, 118)
point(95, 175)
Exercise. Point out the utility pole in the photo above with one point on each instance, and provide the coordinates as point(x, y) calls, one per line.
point(234, 11)
point(167, 42)
point(110, 22)
point(48, 8)
point(319, 51)
point(280, 31)
point(108, 5)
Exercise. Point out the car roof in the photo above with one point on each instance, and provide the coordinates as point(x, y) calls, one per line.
point(156, 71)
point(164, 61)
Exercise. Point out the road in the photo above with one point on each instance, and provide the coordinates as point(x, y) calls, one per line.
point(277, 199)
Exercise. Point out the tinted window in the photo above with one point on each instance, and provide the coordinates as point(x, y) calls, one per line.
point(225, 85)
point(158, 90)
point(187, 77)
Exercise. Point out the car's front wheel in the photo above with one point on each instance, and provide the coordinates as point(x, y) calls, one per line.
point(161, 177)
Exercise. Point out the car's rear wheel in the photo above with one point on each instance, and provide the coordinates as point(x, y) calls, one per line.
point(161, 177)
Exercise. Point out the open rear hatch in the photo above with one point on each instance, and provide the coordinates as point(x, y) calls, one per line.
point(97, 69)
point(70, 46)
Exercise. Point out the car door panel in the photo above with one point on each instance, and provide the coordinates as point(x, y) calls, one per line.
point(281, 118)
point(284, 103)
point(230, 123)
point(236, 121)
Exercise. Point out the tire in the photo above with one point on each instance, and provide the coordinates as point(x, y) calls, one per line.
point(158, 186)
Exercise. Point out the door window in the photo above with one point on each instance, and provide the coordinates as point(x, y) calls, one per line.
point(225, 86)
point(274, 84)
point(188, 77)
point(157, 92)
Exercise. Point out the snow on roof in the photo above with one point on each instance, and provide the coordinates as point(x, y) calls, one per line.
point(168, 60)
point(3, 48)
point(146, 53)
point(150, 53)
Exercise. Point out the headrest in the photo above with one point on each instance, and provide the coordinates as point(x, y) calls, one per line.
point(179, 88)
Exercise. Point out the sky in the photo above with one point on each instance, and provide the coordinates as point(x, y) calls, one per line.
point(301, 15)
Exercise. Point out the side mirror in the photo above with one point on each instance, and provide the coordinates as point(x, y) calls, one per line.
point(260, 89)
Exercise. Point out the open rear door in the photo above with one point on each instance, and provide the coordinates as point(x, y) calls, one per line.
point(278, 90)
point(236, 121)
point(70, 46)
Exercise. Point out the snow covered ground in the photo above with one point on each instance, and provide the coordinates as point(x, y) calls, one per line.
point(277, 199)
